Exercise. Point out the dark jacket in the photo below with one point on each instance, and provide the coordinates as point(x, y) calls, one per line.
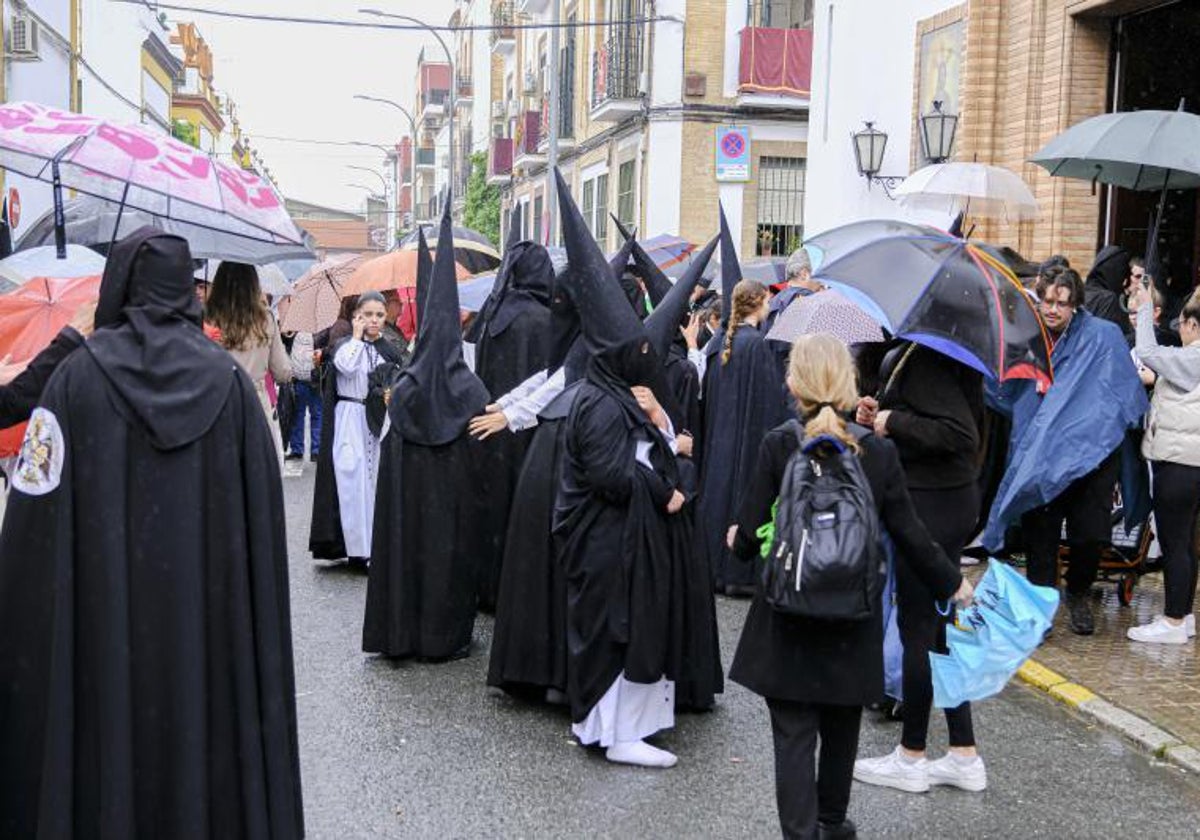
point(937, 414)
point(20, 397)
point(840, 663)
point(1105, 284)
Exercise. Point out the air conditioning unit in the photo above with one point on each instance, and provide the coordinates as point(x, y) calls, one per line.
point(514, 108)
point(531, 85)
point(498, 110)
point(24, 36)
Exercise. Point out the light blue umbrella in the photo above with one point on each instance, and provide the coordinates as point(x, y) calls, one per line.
point(44, 262)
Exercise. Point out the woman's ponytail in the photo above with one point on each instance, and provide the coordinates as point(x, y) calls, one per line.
point(748, 296)
point(821, 376)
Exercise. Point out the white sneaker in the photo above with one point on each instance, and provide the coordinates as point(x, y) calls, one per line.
point(894, 770)
point(1189, 624)
point(640, 754)
point(1159, 632)
point(959, 772)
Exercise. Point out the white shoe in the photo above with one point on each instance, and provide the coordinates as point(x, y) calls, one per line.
point(641, 754)
point(958, 771)
point(1189, 624)
point(1159, 632)
point(894, 770)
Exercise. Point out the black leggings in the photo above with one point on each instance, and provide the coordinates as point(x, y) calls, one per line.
point(949, 516)
point(1176, 510)
point(806, 790)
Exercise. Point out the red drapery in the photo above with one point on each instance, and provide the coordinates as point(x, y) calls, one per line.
point(777, 61)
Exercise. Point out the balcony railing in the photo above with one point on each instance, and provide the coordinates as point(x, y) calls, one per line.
point(503, 36)
point(529, 132)
point(500, 159)
point(617, 68)
point(776, 62)
point(465, 88)
point(779, 14)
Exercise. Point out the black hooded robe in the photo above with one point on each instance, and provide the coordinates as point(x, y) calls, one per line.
point(1105, 284)
point(616, 552)
point(529, 640)
point(421, 588)
point(146, 678)
point(325, 538)
point(512, 345)
point(743, 400)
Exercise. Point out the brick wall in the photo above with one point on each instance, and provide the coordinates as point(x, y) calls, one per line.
point(1033, 69)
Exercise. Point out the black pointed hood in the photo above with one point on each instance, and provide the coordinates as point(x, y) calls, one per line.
point(662, 325)
point(424, 274)
point(613, 335)
point(607, 319)
point(731, 269)
point(438, 394)
point(172, 380)
point(1111, 269)
point(658, 285)
point(499, 283)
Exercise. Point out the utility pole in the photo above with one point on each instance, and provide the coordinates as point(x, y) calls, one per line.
point(552, 116)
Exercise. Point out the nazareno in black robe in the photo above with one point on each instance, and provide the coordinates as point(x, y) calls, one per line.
point(146, 677)
point(422, 579)
point(700, 675)
point(512, 343)
point(610, 518)
point(743, 400)
point(325, 539)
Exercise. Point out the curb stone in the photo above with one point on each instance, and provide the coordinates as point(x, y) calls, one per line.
point(1158, 741)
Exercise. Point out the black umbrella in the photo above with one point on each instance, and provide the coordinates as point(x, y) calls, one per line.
point(472, 250)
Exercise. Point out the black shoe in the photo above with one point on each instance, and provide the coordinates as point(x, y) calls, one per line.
point(314, 457)
point(1080, 614)
point(845, 830)
point(294, 456)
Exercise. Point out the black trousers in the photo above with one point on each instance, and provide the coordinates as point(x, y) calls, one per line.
point(1086, 505)
point(809, 788)
point(949, 516)
point(1176, 511)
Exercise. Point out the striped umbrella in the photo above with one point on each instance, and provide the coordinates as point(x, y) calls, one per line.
point(472, 250)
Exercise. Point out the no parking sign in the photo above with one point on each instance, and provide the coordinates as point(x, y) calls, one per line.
point(733, 153)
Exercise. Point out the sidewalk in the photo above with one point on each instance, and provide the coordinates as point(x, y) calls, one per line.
point(1160, 684)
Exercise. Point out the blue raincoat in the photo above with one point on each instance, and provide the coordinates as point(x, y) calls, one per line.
point(1062, 436)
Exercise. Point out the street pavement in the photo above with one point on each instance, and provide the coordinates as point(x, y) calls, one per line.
point(400, 749)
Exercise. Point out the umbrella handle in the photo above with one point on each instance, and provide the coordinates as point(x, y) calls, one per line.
point(60, 221)
point(117, 226)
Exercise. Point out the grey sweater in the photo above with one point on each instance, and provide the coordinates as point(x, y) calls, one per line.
point(1178, 365)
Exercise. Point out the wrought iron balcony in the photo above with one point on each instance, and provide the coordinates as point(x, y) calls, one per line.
point(616, 76)
point(500, 160)
point(503, 35)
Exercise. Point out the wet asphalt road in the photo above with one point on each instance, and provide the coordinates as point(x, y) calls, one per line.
point(410, 750)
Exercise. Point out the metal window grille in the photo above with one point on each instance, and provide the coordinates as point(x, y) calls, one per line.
point(601, 229)
point(780, 217)
point(625, 194)
point(779, 14)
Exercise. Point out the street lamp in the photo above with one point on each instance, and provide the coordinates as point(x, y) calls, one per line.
point(937, 133)
point(869, 146)
point(382, 180)
point(449, 62)
point(412, 156)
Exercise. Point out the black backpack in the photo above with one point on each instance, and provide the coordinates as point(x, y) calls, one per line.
point(826, 560)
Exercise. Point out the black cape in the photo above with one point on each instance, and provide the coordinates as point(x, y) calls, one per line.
point(146, 678)
point(615, 547)
point(743, 400)
point(511, 347)
point(325, 538)
point(529, 642)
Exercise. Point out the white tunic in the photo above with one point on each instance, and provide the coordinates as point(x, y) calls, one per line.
point(355, 449)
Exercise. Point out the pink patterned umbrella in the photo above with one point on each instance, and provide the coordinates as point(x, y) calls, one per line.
point(826, 312)
point(141, 169)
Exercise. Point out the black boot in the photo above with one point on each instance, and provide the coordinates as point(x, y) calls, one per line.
point(1080, 614)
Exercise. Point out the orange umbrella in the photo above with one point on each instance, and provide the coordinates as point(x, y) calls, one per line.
point(391, 271)
point(317, 296)
point(32, 315)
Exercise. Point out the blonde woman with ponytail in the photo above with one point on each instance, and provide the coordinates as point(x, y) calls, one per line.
point(816, 676)
point(743, 397)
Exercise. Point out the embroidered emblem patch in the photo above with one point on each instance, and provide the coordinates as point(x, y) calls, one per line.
point(39, 466)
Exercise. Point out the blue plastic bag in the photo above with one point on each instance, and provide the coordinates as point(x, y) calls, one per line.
point(993, 637)
point(893, 648)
